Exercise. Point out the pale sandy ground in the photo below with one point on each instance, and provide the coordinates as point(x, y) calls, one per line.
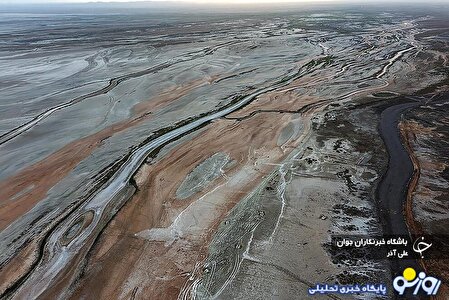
point(300, 159)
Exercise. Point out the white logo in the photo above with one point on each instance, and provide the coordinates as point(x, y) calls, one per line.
point(428, 284)
point(420, 247)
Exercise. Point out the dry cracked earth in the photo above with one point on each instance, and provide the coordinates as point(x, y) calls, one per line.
point(213, 156)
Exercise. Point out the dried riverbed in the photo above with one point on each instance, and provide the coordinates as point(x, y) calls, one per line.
point(215, 157)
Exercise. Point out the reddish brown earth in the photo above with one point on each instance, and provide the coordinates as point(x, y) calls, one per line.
point(161, 269)
point(40, 177)
point(411, 131)
point(37, 179)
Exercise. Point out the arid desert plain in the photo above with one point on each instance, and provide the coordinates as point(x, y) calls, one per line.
point(213, 155)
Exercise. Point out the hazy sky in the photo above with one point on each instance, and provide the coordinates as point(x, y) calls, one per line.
point(198, 1)
point(205, 1)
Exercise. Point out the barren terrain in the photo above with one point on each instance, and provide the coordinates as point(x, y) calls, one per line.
point(214, 157)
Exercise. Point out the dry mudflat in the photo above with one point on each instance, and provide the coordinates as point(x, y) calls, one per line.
point(214, 157)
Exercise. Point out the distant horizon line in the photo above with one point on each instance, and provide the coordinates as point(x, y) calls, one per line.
point(195, 6)
point(220, 2)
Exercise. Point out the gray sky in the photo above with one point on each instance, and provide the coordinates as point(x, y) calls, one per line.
point(197, 1)
point(207, 1)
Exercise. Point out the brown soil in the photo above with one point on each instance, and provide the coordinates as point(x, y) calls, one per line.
point(409, 131)
point(124, 265)
point(19, 193)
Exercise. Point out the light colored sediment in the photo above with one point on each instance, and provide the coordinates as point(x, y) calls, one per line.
point(157, 244)
point(203, 174)
point(178, 230)
point(303, 201)
point(166, 97)
point(21, 192)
